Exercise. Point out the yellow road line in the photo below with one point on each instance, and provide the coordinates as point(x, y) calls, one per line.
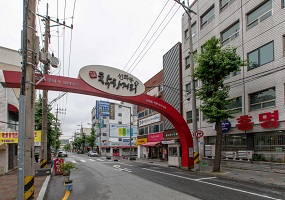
point(67, 193)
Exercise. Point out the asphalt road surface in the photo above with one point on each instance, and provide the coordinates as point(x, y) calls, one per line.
point(98, 178)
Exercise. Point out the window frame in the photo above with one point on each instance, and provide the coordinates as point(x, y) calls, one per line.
point(186, 34)
point(258, 19)
point(223, 7)
point(230, 38)
point(258, 50)
point(193, 31)
point(188, 90)
point(189, 118)
point(210, 19)
point(262, 102)
point(187, 64)
point(234, 110)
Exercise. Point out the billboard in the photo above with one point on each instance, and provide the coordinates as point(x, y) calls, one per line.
point(12, 137)
point(103, 109)
point(123, 130)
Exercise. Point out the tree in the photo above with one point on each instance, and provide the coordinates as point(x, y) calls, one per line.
point(214, 63)
point(91, 138)
point(77, 143)
point(52, 133)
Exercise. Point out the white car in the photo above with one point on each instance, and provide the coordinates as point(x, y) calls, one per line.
point(92, 154)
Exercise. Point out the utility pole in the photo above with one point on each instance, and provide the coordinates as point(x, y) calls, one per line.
point(56, 130)
point(44, 151)
point(26, 170)
point(193, 97)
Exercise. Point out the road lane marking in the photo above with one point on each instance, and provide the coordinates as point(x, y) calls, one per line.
point(73, 161)
point(66, 195)
point(118, 167)
point(217, 185)
point(83, 160)
point(126, 164)
point(204, 178)
point(100, 159)
point(91, 159)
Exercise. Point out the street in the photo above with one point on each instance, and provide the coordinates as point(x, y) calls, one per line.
point(98, 178)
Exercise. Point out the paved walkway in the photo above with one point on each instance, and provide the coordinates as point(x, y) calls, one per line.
point(262, 173)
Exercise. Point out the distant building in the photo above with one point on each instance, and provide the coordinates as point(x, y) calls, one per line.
point(113, 123)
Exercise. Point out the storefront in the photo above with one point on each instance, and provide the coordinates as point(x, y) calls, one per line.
point(153, 146)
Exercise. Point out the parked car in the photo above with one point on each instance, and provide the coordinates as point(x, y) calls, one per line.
point(92, 154)
point(62, 154)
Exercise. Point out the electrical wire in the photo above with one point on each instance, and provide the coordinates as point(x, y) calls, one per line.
point(146, 34)
point(151, 39)
point(154, 41)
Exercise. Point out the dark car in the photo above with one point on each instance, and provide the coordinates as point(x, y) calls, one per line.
point(62, 154)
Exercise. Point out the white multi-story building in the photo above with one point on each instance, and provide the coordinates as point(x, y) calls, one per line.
point(115, 124)
point(257, 29)
point(9, 109)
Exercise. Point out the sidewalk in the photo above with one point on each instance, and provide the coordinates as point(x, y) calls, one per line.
point(272, 174)
point(8, 185)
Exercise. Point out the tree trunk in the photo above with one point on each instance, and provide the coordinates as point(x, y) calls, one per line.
point(218, 147)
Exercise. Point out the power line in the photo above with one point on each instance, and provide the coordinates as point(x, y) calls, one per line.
point(151, 38)
point(146, 34)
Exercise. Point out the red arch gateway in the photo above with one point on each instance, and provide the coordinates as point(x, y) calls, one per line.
point(77, 85)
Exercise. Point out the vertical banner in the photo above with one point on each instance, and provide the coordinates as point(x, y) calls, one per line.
point(112, 111)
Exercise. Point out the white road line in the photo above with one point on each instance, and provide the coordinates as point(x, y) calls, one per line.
point(204, 178)
point(126, 164)
point(73, 161)
point(83, 160)
point(198, 180)
point(91, 159)
point(100, 159)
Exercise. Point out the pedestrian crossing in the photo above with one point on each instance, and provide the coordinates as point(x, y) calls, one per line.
point(92, 160)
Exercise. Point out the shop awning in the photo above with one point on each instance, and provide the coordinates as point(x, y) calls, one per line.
point(12, 108)
point(151, 144)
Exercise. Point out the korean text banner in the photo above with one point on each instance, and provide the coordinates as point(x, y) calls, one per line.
point(12, 137)
point(122, 130)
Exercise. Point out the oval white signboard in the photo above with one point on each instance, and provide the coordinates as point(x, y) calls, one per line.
point(111, 80)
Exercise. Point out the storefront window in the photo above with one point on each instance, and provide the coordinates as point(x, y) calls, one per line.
point(234, 142)
point(271, 141)
point(173, 151)
point(108, 150)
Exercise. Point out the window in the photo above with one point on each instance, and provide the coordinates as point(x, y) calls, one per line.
point(104, 134)
point(270, 141)
point(262, 99)
point(260, 14)
point(235, 106)
point(188, 88)
point(160, 87)
point(172, 151)
point(141, 131)
point(141, 114)
point(260, 56)
point(146, 112)
point(196, 83)
point(224, 4)
point(230, 33)
point(187, 62)
point(120, 114)
point(194, 29)
point(119, 122)
point(207, 17)
point(189, 116)
point(154, 128)
point(186, 34)
point(283, 4)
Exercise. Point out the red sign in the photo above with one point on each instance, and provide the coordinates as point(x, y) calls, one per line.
point(269, 120)
point(156, 137)
point(244, 123)
point(199, 134)
point(57, 165)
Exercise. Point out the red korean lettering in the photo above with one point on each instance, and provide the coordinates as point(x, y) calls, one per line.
point(269, 120)
point(244, 123)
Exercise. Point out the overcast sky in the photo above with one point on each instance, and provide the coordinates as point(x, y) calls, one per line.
point(106, 33)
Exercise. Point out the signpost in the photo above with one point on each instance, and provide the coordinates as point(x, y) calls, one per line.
point(199, 134)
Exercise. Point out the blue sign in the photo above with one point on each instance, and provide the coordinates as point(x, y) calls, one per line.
point(226, 126)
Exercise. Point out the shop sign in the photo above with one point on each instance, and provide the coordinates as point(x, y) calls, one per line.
point(122, 130)
point(268, 120)
point(12, 137)
point(150, 120)
point(111, 80)
point(141, 141)
point(168, 142)
point(156, 137)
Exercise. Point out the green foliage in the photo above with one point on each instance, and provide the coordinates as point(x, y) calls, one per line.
point(67, 147)
point(91, 138)
point(214, 64)
point(66, 168)
point(258, 157)
point(77, 143)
